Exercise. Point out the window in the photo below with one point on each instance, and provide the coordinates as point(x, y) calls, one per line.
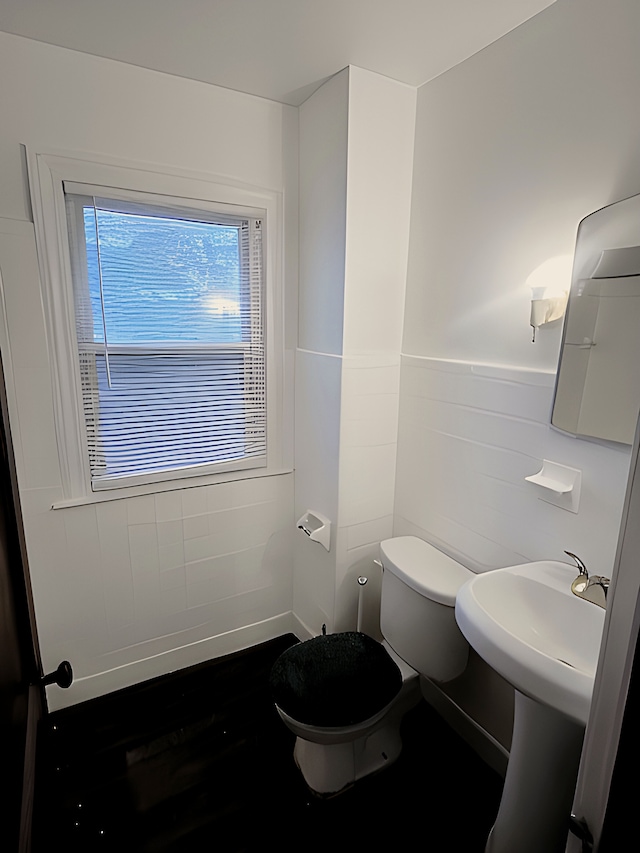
point(165, 300)
point(168, 311)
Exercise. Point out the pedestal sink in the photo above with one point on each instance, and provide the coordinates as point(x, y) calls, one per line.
point(525, 622)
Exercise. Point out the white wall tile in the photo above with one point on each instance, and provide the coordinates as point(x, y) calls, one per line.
point(171, 556)
point(170, 532)
point(141, 510)
point(201, 570)
point(37, 430)
point(173, 600)
point(318, 412)
point(195, 526)
point(369, 532)
point(219, 496)
point(372, 358)
point(146, 578)
point(251, 570)
point(168, 506)
point(173, 577)
point(199, 548)
point(242, 527)
point(369, 432)
point(112, 517)
point(370, 380)
point(464, 449)
point(194, 501)
point(367, 479)
point(203, 592)
point(258, 490)
point(143, 549)
point(368, 407)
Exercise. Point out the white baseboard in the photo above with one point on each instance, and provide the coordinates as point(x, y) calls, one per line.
point(190, 654)
point(484, 744)
point(101, 683)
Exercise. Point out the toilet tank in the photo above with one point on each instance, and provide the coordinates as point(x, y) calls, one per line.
point(417, 618)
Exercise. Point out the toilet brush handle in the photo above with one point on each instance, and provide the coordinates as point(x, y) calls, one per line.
point(362, 582)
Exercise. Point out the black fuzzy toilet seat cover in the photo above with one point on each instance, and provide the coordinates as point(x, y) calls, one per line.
point(335, 679)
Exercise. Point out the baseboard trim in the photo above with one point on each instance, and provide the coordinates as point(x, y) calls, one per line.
point(485, 745)
point(163, 663)
point(302, 631)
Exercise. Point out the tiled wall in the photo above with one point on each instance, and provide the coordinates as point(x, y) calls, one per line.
point(126, 589)
point(508, 160)
point(356, 155)
point(368, 429)
point(368, 432)
point(345, 468)
point(148, 577)
point(468, 436)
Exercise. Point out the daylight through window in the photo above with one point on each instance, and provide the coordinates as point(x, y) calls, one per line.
point(169, 326)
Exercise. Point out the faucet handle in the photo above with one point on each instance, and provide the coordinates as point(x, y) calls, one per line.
point(582, 569)
point(595, 590)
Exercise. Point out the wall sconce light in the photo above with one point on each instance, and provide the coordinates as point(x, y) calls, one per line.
point(549, 285)
point(545, 309)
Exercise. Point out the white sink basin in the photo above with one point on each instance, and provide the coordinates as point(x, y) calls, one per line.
point(525, 622)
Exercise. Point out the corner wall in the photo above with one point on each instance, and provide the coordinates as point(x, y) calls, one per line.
point(354, 226)
point(134, 587)
point(514, 147)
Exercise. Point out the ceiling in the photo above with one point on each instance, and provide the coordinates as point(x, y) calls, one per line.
point(277, 49)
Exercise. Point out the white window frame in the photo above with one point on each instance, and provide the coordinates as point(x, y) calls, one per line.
point(47, 173)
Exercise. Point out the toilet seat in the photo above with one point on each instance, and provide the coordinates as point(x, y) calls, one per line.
point(335, 680)
point(344, 695)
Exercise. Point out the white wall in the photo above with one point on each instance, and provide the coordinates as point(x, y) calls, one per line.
point(513, 148)
point(469, 435)
point(131, 588)
point(323, 210)
point(354, 227)
point(323, 122)
point(380, 167)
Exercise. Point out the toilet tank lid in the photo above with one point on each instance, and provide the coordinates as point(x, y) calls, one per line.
point(424, 568)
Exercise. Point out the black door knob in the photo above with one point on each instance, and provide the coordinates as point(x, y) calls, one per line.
point(62, 676)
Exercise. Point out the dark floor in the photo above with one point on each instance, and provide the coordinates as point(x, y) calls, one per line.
point(200, 761)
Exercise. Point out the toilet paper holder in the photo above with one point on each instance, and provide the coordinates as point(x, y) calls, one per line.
point(316, 526)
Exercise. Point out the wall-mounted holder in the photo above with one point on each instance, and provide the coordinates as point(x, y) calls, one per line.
point(561, 484)
point(316, 526)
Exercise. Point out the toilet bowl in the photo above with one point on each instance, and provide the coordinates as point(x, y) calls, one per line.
point(344, 695)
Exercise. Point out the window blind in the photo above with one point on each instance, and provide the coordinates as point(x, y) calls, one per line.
point(169, 311)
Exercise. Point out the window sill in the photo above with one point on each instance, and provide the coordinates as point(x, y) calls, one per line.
point(169, 486)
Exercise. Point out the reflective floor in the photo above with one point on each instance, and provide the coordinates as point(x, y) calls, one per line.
point(200, 761)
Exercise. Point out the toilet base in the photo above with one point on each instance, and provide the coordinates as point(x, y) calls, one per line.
point(331, 768)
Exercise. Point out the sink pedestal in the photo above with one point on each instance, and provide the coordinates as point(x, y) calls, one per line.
point(527, 624)
point(540, 782)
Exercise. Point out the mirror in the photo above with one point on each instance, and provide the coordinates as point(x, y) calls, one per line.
point(598, 382)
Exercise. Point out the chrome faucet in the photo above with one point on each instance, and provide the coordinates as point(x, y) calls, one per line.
point(592, 588)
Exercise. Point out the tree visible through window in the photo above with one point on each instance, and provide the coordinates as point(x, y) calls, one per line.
point(169, 323)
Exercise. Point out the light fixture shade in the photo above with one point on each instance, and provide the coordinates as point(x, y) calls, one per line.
point(549, 285)
point(545, 311)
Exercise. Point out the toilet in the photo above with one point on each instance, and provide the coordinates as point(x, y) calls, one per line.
point(344, 695)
